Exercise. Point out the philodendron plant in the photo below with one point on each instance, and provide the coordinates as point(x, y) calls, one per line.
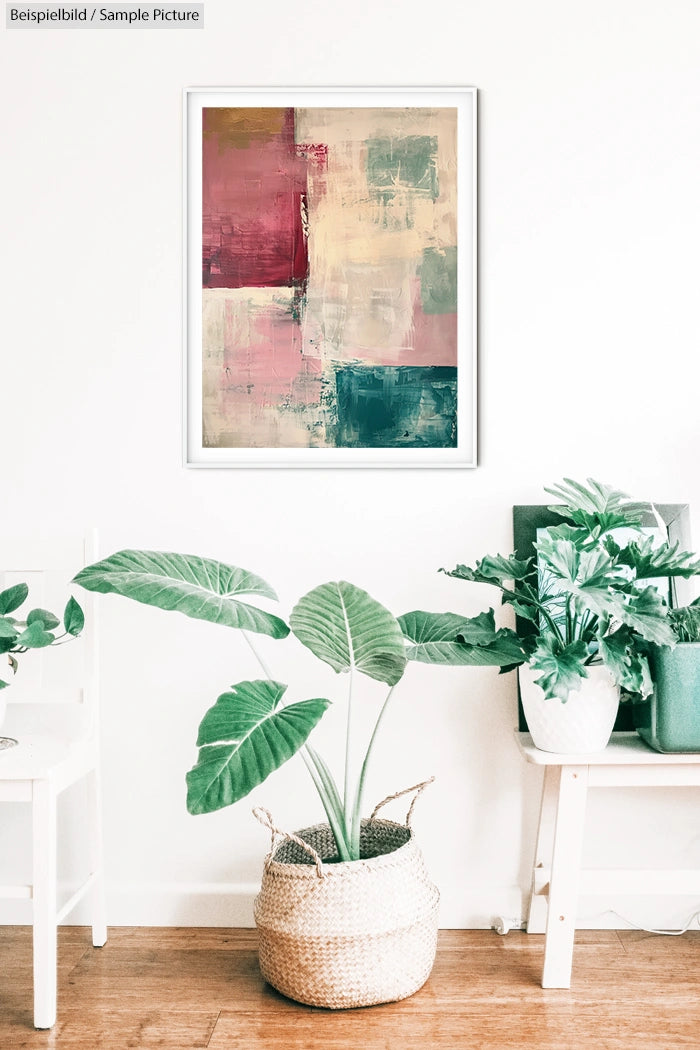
point(36, 629)
point(252, 730)
point(588, 592)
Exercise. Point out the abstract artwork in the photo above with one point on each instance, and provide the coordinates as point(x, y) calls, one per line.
point(330, 278)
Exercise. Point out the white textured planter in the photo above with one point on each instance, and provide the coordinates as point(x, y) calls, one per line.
point(583, 724)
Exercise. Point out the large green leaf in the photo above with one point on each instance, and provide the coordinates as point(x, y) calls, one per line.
point(576, 534)
point(629, 667)
point(243, 738)
point(345, 627)
point(494, 569)
point(647, 613)
point(561, 667)
point(12, 598)
point(202, 588)
point(648, 561)
point(590, 576)
point(450, 639)
point(595, 506)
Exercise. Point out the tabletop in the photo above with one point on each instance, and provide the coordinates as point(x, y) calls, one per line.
point(624, 749)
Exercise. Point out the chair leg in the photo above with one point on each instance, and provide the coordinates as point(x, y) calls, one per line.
point(44, 899)
point(99, 922)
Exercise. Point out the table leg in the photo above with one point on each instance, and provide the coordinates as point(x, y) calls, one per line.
point(537, 910)
point(565, 876)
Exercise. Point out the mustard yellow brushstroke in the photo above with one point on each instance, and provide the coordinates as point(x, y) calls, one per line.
point(235, 127)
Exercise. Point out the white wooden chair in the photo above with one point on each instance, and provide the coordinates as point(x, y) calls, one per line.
point(52, 713)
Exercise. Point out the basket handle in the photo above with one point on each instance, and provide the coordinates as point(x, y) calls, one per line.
point(265, 818)
point(418, 788)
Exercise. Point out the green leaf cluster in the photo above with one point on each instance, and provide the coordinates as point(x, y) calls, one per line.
point(589, 592)
point(37, 629)
point(686, 622)
point(252, 730)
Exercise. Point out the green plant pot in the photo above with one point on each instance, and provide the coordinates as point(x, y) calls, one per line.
point(669, 720)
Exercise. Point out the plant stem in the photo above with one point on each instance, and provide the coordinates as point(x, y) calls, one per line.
point(569, 622)
point(357, 807)
point(525, 600)
point(550, 622)
point(258, 657)
point(327, 777)
point(321, 777)
point(334, 816)
point(348, 731)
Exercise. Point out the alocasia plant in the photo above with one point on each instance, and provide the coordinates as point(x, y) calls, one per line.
point(252, 730)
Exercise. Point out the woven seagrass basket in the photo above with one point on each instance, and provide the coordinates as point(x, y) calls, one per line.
point(346, 934)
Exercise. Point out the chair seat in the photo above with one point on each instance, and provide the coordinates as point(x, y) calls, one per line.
point(40, 756)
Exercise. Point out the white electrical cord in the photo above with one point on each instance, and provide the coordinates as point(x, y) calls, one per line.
point(503, 925)
point(660, 933)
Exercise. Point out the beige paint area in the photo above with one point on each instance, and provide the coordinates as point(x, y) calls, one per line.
point(365, 251)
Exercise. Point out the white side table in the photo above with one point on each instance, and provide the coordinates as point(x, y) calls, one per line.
point(556, 875)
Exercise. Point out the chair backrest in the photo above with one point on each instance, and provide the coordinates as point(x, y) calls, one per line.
point(55, 688)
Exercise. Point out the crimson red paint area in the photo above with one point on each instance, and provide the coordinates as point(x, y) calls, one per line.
point(254, 185)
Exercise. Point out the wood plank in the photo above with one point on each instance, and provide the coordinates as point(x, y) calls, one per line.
point(469, 1028)
point(191, 938)
point(78, 1029)
point(640, 944)
point(186, 989)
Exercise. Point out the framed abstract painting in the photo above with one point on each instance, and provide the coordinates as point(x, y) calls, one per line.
point(330, 272)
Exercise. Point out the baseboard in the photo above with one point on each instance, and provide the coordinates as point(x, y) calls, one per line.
point(178, 904)
point(231, 905)
point(221, 904)
point(158, 904)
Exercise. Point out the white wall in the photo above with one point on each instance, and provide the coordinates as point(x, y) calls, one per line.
point(588, 272)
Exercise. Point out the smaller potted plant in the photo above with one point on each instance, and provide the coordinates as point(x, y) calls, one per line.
point(35, 629)
point(589, 598)
point(669, 718)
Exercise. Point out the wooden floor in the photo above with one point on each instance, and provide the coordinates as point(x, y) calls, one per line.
point(183, 988)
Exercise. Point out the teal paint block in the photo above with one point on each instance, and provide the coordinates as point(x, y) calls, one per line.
point(395, 165)
point(669, 720)
point(396, 407)
point(438, 281)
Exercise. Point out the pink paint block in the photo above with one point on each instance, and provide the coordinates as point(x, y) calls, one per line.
point(253, 206)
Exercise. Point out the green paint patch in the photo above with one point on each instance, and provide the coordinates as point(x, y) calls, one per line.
point(397, 165)
point(438, 281)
